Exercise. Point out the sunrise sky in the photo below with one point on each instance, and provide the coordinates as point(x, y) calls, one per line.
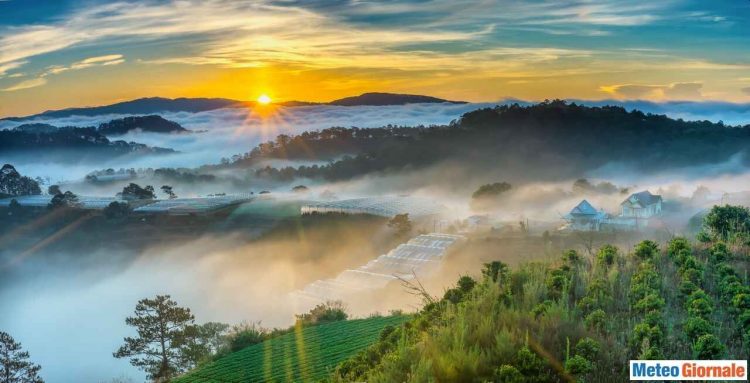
point(57, 53)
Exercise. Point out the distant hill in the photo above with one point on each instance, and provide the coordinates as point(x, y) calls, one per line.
point(388, 99)
point(152, 124)
point(308, 355)
point(549, 140)
point(154, 105)
point(142, 106)
point(46, 142)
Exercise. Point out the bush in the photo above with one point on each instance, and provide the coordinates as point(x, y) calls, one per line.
point(695, 327)
point(650, 302)
point(331, 311)
point(700, 308)
point(508, 374)
point(578, 365)
point(677, 245)
point(596, 320)
point(646, 250)
point(708, 347)
point(607, 255)
point(528, 363)
point(724, 221)
point(719, 252)
point(587, 348)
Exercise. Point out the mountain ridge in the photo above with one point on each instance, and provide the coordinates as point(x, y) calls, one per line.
point(154, 105)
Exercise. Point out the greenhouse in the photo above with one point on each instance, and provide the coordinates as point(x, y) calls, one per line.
point(197, 205)
point(388, 206)
point(420, 256)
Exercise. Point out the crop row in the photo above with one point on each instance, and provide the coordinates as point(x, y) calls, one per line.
point(732, 292)
point(697, 327)
point(307, 354)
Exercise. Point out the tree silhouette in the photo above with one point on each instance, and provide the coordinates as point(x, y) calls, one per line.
point(14, 364)
point(164, 335)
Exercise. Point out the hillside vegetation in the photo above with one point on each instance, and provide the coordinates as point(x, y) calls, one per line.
point(580, 318)
point(306, 354)
point(550, 139)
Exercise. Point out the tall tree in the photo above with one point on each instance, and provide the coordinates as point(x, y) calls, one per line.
point(168, 191)
point(14, 364)
point(165, 333)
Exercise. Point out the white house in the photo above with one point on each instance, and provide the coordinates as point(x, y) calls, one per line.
point(584, 217)
point(641, 205)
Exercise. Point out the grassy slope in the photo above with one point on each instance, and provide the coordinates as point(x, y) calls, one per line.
point(307, 354)
point(493, 323)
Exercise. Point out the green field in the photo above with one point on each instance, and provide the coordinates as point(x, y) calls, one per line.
point(305, 355)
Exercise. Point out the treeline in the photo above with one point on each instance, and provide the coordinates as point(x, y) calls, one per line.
point(553, 138)
point(325, 144)
point(581, 318)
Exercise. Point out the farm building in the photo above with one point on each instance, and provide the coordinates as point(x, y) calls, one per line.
point(388, 206)
point(421, 255)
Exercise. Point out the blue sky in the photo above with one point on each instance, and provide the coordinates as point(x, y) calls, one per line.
point(66, 53)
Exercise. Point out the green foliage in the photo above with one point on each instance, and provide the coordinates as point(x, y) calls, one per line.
point(571, 257)
point(596, 320)
point(15, 366)
point(245, 335)
point(677, 245)
point(719, 252)
point(587, 348)
point(695, 327)
point(724, 222)
point(305, 354)
point(708, 346)
point(646, 250)
point(508, 374)
point(331, 311)
point(164, 333)
point(495, 271)
point(578, 365)
point(607, 255)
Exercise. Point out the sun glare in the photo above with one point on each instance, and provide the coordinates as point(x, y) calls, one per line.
point(264, 99)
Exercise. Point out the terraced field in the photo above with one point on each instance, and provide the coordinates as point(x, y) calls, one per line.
point(305, 355)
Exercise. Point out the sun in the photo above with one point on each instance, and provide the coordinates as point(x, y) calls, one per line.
point(264, 99)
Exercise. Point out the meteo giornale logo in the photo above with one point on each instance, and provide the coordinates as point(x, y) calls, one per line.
point(688, 370)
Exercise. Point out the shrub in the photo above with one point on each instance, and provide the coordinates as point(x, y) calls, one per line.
point(650, 302)
point(607, 255)
point(644, 331)
point(700, 308)
point(646, 250)
point(528, 363)
point(695, 327)
point(677, 245)
point(708, 347)
point(508, 374)
point(541, 309)
point(331, 311)
point(587, 348)
point(596, 320)
point(571, 257)
point(578, 365)
point(719, 252)
point(741, 302)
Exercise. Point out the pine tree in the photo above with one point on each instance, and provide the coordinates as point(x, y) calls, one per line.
point(164, 334)
point(14, 364)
